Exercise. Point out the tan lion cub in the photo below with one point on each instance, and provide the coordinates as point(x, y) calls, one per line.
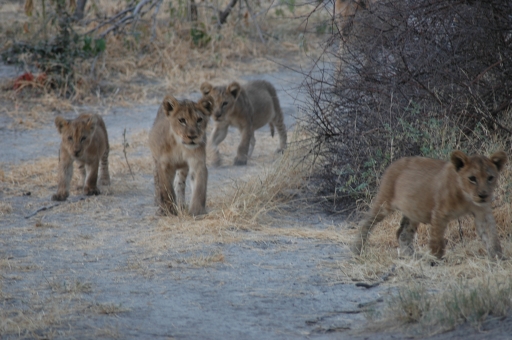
point(84, 140)
point(178, 143)
point(247, 108)
point(435, 192)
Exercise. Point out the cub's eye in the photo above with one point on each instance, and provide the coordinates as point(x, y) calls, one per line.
point(224, 104)
point(472, 179)
point(490, 178)
point(199, 120)
point(82, 139)
point(182, 121)
point(70, 138)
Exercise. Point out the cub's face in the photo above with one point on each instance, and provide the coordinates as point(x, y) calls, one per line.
point(479, 174)
point(188, 119)
point(76, 134)
point(224, 98)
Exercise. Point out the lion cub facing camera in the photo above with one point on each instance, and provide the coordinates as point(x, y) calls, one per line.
point(247, 108)
point(435, 192)
point(84, 140)
point(178, 143)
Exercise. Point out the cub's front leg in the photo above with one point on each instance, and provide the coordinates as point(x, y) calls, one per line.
point(179, 186)
point(199, 180)
point(81, 170)
point(65, 174)
point(165, 197)
point(242, 153)
point(218, 135)
point(90, 187)
point(486, 228)
point(437, 242)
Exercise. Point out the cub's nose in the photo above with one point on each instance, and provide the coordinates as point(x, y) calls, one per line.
point(77, 153)
point(483, 195)
point(218, 114)
point(192, 136)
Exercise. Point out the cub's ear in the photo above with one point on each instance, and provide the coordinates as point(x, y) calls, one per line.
point(91, 122)
point(459, 159)
point(206, 88)
point(234, 88)
point(61, 123)
point(499, 159)
point(170, 105)
point(206, 103)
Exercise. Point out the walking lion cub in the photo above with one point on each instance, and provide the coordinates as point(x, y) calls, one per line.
point(247, 108)
point(84, 140)
point(178, 143)
point(435, 192)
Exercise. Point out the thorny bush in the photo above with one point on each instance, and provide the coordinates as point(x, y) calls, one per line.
point(412, 77)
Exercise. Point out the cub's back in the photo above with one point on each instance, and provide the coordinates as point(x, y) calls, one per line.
point(410, 184)
point(261, 94)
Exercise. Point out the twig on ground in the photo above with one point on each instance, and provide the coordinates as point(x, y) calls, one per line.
point(385, 277)
point(125, 145)
point(48, 207)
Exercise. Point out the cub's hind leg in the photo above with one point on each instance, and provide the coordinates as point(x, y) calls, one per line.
point(405, 235)
point(379, 210)
point(281, 130)
point(251, 146)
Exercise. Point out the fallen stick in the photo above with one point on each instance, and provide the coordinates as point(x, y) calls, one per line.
point(383, 278)
point(48, 207)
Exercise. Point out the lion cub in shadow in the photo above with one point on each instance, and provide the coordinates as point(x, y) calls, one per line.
point(247, 108)
point(178, 144)
point(84, 140)
point(432, 191)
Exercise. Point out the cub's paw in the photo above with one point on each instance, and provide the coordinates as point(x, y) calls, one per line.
point(240, 161)
point(195, 211)
point(216, 162)
point(91, 191)
point(105, 181)
point(59, 197)
point(165, 212)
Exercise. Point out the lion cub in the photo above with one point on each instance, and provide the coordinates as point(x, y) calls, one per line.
point(435, 192)
point(84, 140)
point(247, 108)
point(178, 143)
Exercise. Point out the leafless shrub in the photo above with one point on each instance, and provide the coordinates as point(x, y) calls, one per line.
point(410, 78)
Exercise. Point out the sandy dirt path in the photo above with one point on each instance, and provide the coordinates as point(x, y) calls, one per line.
point(106, 267)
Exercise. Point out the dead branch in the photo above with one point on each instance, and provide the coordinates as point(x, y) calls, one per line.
point(255, 22)
point(125, 145)
point(223, 16)
point(129, 15)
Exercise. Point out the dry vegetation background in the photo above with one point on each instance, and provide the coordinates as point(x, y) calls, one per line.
point(134, 69)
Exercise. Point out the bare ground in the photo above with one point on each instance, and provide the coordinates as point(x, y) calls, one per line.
point(107, 267)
